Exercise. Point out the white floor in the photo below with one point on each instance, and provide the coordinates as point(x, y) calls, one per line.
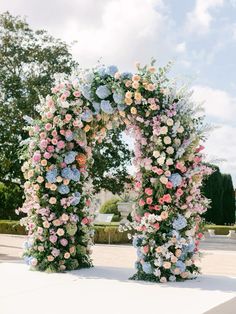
point(106, 289)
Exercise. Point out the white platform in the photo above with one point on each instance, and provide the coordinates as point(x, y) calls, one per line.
point(106, 290)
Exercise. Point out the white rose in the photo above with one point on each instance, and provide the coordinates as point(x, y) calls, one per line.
point(169, 122)
point(170, 150)
point(180, 129)
point(156, 153)
point(169, 162)
point(177, 141)
point(161, 160)
point(167, 140)
point(163, 130)
point(163, 179)
point(157, 272)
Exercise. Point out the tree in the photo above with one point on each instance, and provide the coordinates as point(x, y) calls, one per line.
point(29, 59)
point(228, 200)
point(111, 158)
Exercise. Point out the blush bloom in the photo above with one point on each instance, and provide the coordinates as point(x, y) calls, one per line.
point(149, 200)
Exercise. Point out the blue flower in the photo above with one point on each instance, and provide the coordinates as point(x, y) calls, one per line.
point(118, 98)
point(102, 71)
point(147, 268)
point(140, 254)
point(96, 107)
point(179, 223)
point(111, 70)
point(76, 199)
point(175, 179)
point(180, 265)
point(87, 115)
point(63, 189)
point(67, 173)
point(126, 75)
point(75, 174)
point(106, 106)
point(70, 157)
point(69, 137)
point(86, 91)
point(51, 176)
point(103, 92)
point(121, 107)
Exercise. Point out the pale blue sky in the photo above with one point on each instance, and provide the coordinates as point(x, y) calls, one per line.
point(200, 35)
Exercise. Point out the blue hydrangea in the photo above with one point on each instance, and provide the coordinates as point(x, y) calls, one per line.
point(140, 253)
point(121, 107)
point(67, 173)
point(86, 91)
point(106, 106)
point(111, 70)
point(76, 198)
point(70, 157)
point(135, 242)
point(96, 107)
point(172, 278)
point(87, 115)
point(147, 268)
point(63, 189)
point(126, 75)
point(75, 174)
point(179, 223)
point(70, 137)
point(51, 175)
point(175, 179)
point(27, 245)
point(118, 98)
point(180, 265)
point(102, 71)
point(103, 92)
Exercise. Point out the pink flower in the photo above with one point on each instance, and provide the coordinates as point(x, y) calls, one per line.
point(42, 135)
point(68, 117)
point(137, 218)
point(55, 252)
point(50, 149)
point(141, 202)
point(48, 126)
point(85, 221)
point(36, 157)
point(179, 192)
point(62, 132)
point(146, 249)
point(167, 198)
point(53, 238)
point(148, 191)
point(47, 155)
point(60, 144)
point(138, 185)
point(149, 200)
point(54, 141)
point(63, 164)
point(169, 185)
point(54, 133)
point(156, 226)
point(158, 171)
point(156, 207)
point(76, 93)
point(200, 148)
point(197, 159)
point(63, 242)
point(161, 200)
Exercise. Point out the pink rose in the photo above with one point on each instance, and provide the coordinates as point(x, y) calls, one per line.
point(156, 226)
point(42, 135)
point(48, 126)
point(36, 157)
point(149, 200)
point(169, 185)
point(148, 191)
point(50, 149)
point(43, 144)
point(68, 117)
point(54, 141)
point(76, 93)
point(146, 249)
point(167, 198)
point(85, 221)
point(54, 133)
point(141, 202)
point(138, 185)
point(47, 155)
point(61, 144)
point(53, 238)
point(63, 242)
point(179, 192)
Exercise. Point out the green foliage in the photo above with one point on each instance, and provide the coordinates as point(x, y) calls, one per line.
point(219, 189)
point(11, 197)
point(11, 227)
point(111, 158)
point(111, 207)
point(29, 59)
point(220, 230)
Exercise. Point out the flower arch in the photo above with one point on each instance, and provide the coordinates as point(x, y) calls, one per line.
point(168, 157)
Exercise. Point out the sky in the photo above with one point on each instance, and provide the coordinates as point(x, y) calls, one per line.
point(198, 35)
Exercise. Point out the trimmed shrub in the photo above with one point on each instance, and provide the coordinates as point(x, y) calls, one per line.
point(111, 207)
point(11, 197)
point(11, 227)
point(220, 230)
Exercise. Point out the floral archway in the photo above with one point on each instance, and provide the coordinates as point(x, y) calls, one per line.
point(168, 157)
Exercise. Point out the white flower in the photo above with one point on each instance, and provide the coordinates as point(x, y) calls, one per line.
point(169, 122)
point(157, 272)
point(163, 179)
point(167, 140)
point(180, 129)
point(177, 141)
point(170, 150)
point(163, 280)
point(161, 160)
point(169, 162)
point(164, 130)
point(156, 153)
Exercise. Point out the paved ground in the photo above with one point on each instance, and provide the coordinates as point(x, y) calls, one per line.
point(105, 288)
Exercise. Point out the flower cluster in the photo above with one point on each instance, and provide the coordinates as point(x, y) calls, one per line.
point(168, 157)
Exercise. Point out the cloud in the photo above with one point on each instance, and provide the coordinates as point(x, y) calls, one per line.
point(181, 47)
point(218, 104)
point(199, 19)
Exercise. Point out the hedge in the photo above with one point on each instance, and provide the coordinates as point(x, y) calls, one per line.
point(104, 232)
